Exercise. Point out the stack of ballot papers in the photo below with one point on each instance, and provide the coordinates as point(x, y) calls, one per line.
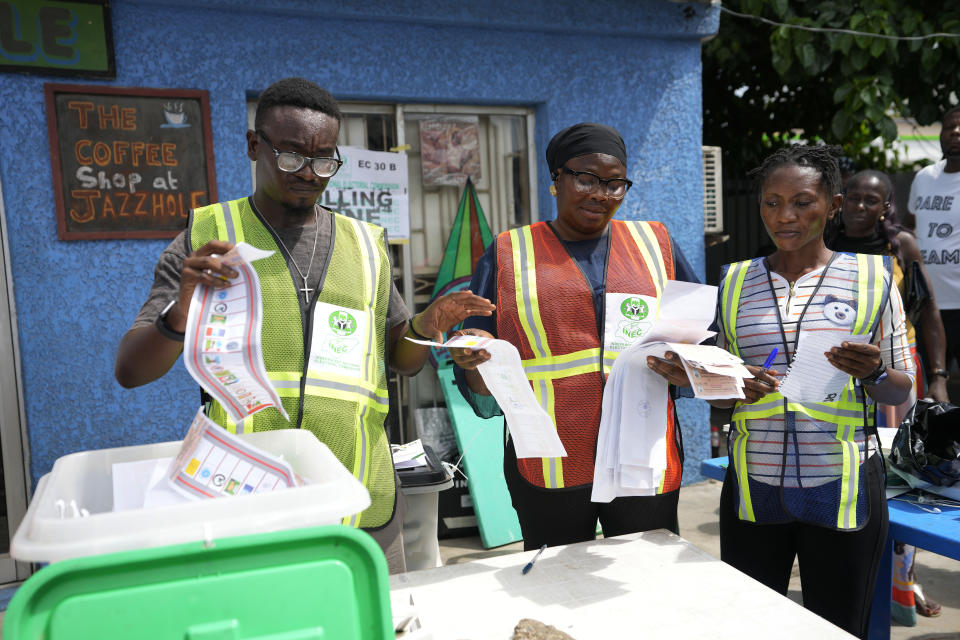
point(409, 456)
point(632, 446)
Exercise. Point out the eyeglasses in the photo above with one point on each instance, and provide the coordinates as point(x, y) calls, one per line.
point(586, 182)
point(291, 161)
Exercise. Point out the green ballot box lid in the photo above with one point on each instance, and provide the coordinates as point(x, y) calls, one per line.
point(320, 582)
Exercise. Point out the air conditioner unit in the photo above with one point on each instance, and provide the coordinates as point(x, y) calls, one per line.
point(712, 190)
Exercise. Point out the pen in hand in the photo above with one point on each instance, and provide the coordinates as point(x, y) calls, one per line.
point(770, 358)
point(529, 565)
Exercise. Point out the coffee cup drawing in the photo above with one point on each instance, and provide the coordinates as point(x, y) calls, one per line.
point(174, 115)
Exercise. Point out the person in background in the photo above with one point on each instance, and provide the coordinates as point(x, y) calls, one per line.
point(869, 224)
point(806, 479)
point(322, 262)
point(553, 282)
point(935, 202)
point(847, 168)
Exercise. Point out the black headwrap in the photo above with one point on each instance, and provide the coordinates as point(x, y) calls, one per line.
point(582, 139)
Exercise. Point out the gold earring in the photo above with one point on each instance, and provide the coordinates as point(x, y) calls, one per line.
point(881, 218)
point(553, 190)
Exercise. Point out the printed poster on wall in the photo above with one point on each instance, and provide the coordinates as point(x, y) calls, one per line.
point(372, 186)
point(450, 150)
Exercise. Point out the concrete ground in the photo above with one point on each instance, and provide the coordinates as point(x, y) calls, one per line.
point(699, 523)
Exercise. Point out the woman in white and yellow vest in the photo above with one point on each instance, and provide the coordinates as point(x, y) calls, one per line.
point(560, 288)
point(806, 479)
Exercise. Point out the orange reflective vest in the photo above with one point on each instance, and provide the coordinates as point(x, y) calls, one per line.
point(545, 308)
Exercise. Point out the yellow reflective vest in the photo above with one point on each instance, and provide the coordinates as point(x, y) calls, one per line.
point(817, 449)
point(345, 410)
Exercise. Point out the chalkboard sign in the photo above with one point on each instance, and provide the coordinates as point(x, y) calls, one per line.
point(128, 162)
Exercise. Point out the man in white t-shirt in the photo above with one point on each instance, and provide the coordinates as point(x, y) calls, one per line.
point(935, 201)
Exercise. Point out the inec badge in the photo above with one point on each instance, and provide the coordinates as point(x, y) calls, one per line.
point(337, 335)
point(628, 317)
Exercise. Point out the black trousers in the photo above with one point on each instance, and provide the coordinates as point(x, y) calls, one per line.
point(838, 569)
point(563, 516)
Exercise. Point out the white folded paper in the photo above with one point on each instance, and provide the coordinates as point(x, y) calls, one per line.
point(686, 313)
point(533, 431)
point(222, 348)
point(631, 445)
point(409, 455)
point(811, 377)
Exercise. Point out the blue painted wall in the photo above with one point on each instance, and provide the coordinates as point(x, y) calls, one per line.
point(633, 64)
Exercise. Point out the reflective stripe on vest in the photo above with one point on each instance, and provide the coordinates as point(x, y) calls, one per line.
point(546, 367)
point(364, 397)
point(847, 413)
point(528, 307)
point(732, 288)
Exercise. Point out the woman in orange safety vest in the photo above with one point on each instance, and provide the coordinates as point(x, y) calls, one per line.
point(570, 293)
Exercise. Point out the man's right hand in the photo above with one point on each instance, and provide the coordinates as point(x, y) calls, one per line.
point(144, 353)
point(203, 266)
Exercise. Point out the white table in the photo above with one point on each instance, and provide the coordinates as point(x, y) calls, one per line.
point(652, 584)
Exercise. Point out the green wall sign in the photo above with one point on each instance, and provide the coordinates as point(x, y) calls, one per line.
point(57, 37)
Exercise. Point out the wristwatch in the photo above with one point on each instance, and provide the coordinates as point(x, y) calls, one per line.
point(164, 328)
point(877, 376)
point(943, 373)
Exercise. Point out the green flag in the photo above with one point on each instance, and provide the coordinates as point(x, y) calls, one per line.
point(469, 238)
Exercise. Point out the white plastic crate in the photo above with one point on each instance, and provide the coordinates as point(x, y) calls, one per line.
point(86, 478)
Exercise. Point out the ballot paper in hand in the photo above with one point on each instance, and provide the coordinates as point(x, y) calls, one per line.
point(686, 313)
point(811, 377)
point(631, 446)
point(714, 374)
point(222, 349)
point(213, 463)
point(533, 431)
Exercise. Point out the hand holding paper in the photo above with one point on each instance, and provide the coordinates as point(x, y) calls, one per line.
point(534, 433)
point(811, 376)
point(470, 357)
point(222, 348)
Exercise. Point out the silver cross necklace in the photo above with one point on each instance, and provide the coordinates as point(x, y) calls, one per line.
point(305, 290)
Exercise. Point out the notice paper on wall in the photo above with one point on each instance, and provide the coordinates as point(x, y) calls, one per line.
point(811, 377)
point(222, 348)
point(533, 431)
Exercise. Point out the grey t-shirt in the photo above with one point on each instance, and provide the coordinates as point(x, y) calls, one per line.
point(300, 243)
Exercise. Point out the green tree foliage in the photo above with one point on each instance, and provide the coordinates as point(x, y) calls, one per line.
point(763, 84)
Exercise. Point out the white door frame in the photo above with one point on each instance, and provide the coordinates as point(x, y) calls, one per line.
point(13, 424)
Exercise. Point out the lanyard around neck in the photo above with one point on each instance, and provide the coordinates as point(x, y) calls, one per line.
point(773, 298)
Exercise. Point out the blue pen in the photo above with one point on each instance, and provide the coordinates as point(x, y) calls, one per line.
point(529, 565)
point(769, 360)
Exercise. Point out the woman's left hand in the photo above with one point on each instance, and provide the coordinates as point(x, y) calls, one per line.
point(669, 367)
point(856, 358)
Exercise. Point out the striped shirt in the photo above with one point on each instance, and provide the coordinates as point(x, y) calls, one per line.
point(812, 455)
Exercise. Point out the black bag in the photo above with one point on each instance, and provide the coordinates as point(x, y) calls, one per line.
point(916, 292)
point(927, 444)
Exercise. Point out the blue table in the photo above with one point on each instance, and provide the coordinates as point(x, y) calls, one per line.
point(937, 532)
